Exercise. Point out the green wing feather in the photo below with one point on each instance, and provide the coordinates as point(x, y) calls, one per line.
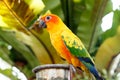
point(75, 46)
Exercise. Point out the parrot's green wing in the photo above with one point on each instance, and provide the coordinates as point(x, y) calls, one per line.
point(75, 46)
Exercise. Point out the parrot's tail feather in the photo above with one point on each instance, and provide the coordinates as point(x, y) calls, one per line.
point(90, 66)
point(100, 78)
point(95, 73)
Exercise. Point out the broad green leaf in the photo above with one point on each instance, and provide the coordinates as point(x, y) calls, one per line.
point(24, 10)
point(67, 6)
point(4, 52)
point(116, 22)
point(10, 38)
point(109, 43)
point(109, 7)
point(53, 6)
point(83, 17)
point(21, 14)
point(8, 73)
point(49, 5)
point(23, 53)
point(43, 51)
point(88, 22)
point(109, 48)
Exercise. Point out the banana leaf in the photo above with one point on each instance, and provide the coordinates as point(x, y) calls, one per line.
point(15, 17)
point(110, 45)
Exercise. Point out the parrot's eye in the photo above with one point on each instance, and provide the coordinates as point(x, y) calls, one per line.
point(48, 18)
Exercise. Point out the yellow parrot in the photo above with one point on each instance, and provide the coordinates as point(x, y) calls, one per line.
point(67, 44)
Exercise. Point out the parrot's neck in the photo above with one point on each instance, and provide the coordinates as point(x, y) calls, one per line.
point(56, 28)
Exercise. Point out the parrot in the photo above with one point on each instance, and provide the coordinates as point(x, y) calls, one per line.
point(67, 44)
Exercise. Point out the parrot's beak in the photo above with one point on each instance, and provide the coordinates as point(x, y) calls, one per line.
point(42, 24)
point(38, 25)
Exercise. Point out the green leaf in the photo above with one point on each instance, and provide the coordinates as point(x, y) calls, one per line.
point(116, 22)
point(109, 48)
point(41, 48)
point(51, 52)
point(4, 52)
point(17, 20)
point(89, 27)
point(8, 73)
point(109, 43)
point(10, 38)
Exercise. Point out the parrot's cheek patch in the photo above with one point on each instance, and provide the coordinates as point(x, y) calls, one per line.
point(42, 24)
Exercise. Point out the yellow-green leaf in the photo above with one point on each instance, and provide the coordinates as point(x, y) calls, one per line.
point(109, 48)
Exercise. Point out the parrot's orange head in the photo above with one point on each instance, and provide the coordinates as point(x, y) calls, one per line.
point(49, 21)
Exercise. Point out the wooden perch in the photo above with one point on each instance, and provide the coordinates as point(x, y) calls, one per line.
point(54, 72)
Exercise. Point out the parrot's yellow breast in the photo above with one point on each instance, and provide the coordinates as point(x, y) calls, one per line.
point(63, 51)
point(59, 45)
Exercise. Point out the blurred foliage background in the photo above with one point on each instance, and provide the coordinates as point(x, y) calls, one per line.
point(26, 49)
